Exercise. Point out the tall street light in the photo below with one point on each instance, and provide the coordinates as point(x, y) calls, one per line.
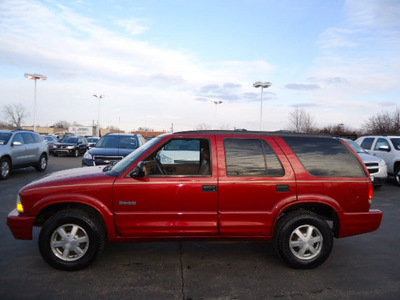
point(98, 115)
point(216, 102)
point(262, 85)
point(35, 77)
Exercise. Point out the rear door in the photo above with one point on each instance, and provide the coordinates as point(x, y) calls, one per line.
point(255, 177)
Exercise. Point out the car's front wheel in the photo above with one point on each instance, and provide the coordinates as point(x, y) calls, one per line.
point(397, 174)
point(303, 240)
point(71, 240)
point(5, 168)
point(76, 152)
point(42, 163)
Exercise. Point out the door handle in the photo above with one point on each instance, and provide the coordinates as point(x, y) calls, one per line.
point(209, 188)
point(282, 188)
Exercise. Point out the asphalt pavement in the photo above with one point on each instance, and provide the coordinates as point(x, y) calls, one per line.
point(360, 267)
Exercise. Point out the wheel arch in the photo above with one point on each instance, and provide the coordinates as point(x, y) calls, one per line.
point(325, 211)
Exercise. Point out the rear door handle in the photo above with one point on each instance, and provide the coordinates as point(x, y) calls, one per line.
point(209, 188)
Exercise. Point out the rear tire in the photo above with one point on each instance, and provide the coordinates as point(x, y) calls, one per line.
point(303, 240)
point(397, 175)
point(71, 240)
point(5, 168)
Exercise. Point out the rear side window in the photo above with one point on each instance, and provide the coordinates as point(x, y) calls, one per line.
point(367, 143)
point(325, 157)
point(251, 157)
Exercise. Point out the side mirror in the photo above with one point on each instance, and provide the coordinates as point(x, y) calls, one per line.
point(139, 170)
point(384, 148)
point(16, 143)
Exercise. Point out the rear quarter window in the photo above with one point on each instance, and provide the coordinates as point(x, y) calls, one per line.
point(325, 157)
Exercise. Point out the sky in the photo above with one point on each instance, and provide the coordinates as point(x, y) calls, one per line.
point(163, 64)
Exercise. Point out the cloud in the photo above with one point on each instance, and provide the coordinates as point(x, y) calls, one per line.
point(132, 26)
point(302, 86)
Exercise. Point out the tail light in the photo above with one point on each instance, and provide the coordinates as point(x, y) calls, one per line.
point(370, 192)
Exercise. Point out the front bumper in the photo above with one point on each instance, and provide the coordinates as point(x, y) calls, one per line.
point(64, 151)
point(358, 223)
point(20, 226)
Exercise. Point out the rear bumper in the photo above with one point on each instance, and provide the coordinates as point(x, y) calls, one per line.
point(358, 223)
point(20, 226)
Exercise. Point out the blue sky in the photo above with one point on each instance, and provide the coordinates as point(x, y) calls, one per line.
point(163, 62)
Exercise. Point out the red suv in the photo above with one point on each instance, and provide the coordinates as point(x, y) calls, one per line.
point(300, 191)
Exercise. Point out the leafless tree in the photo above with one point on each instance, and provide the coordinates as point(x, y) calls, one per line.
point(15, 114)
point(301, 121)
point(62, 124)
point(203, 126)
point(383, 123)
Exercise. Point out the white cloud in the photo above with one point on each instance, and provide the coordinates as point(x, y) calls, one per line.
point(132, 26)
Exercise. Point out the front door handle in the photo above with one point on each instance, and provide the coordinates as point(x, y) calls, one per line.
point(209, 188)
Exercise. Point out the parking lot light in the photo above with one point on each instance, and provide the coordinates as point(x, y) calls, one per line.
point(262, 85)
point(35, 77)
point(98, 116)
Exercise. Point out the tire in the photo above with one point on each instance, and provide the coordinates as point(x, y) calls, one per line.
point(5, 168)
point(65, 252)
point(397, 175)
point(303, 240)
point(42, 163)
point(76, 153)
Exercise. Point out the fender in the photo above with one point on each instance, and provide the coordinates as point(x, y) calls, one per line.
point(85, 200)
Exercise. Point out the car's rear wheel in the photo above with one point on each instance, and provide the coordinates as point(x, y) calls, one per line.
point(42, 163)
point(71, 240)
point(5, 168)
point(303, 240)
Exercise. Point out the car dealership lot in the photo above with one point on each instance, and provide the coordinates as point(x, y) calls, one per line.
point(365, 266)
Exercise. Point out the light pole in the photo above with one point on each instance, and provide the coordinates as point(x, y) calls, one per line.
point(98, 114)
point(262, 85)
point(35, 77)
point(216, 102)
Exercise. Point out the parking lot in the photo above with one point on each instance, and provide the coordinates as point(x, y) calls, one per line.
point(361, 267)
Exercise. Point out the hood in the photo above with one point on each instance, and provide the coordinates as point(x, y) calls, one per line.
point(71, 176)
point(110, 151)
point(366, 158)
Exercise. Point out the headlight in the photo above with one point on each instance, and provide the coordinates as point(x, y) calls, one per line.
point(165, 159)
point(87, 155)
point(20, 206)
point(70, 147)
point(55, 146)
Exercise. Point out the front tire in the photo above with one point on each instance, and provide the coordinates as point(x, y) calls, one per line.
point(71, 240)
point(42, 163)
point(303, 240)
point(76, 153)
point(397, 175)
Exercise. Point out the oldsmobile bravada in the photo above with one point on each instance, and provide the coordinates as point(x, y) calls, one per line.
point(300, 191)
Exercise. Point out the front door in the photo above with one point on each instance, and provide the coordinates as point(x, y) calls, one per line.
point(177, 196)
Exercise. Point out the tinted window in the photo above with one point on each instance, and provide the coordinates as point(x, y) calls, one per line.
point(325, 157)
point(28, 138)
point(70, 139)
point(4, 137)
point(18, 138)
point(367, 143)
point(251, 157)
point(396, 143)
point(118, 141)
point(382, 142)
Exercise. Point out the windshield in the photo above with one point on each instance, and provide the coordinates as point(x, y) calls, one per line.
point(355, 146)
point(4, 137)
point(92, 140)
point(123, 164)
point(49, 138)
point(70, 139)
point(396, 143)
point(118, 141)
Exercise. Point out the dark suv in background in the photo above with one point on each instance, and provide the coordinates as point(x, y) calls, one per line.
point(112, 147)
point(20, 149)
point(71, 145)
